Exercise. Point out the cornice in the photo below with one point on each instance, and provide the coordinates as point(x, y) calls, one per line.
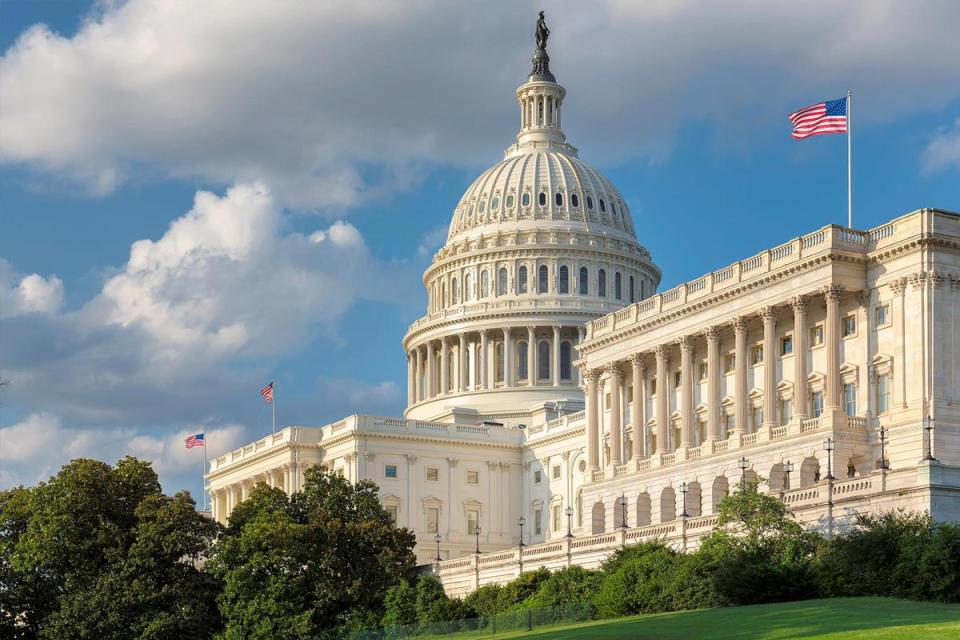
point(557, 436)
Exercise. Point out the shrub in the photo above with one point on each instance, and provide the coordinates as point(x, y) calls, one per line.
point(433, 604)
point(568, 586)
point(938, 566)
point(484, 601)
point(692, 586)
point(515, 592)
point(638, 584)
point(400, 605)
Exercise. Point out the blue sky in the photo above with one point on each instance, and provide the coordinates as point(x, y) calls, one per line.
point(196, 201)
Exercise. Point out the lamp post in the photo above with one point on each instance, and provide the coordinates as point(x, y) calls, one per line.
point(476, 531)
point(569, 512)
point(787, 470)
point(522, 521)
point(828, 447)
point(883, 450)
point(683, 490)
point(744, 464)
point(928, 445)
point(437, 539)
point(623, 511)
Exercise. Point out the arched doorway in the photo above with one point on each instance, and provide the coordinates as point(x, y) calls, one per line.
point(719, 491)
point(809, 472)
point(668, 505)
point(643, 509)
point(598, 522)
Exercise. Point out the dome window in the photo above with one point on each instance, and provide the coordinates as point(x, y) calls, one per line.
point(525, 199)
point(603, 206)
point(494, 204)
point(574, 200)
point(566, 351)
point(522, 280)
point(590, 203)
point(564, 279)
point(583, 281)
point(618, 286)
point(542, 279)
point(510, 201)
point(480, 207)
point(502, 281)
point(558, 199)
point(602, 284)
point(632, 296)
point(542, 199)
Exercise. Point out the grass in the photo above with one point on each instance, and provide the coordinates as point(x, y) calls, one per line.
point(838, 618)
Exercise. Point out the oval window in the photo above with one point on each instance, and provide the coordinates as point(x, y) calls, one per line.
point(589, 203)
point(480, 207)
point(494, 204)
point(558, 199)
point(603, 207)
point(510, 201)
point(542, 199)
point(574, 200)
point(525, 199)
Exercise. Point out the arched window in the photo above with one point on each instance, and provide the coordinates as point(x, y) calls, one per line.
point(443, 296)
point(522, 280)
point(632, 297)
point(590, 203)
point(521, 360)
point(525, 199)
point(454, 292)
point(480, 207)
point(543, 360)
point(494, 204)
point(502, 281)
point(558, 199)
point(643, 293)
point(499, 362)
point(618, 286)
point(485, 283)
point(542, 199)
point(602, 283)
point(467, 288)
point(564, 279)
point(566, 360)
point(542, 279)
point(510, 201)
point(574, 200)
point(584, 282)
point(603, 206)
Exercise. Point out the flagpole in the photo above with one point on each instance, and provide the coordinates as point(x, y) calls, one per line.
point(203, 480)
point(273, 406)
point(849, 160)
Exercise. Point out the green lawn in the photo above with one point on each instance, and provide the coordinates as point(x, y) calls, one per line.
point(840, 618)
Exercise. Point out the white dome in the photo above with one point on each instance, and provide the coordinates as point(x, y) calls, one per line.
point(534, 188)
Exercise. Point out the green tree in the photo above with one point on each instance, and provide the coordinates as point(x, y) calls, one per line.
point(293, 567)
point(400, 605)
point(520, 588)
point(638, 581)
point(572, 585)
point(485, 600)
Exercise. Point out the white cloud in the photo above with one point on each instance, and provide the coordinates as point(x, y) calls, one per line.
point(32, 294)
point(432, 240)
point(943, 151)
point(332, 103)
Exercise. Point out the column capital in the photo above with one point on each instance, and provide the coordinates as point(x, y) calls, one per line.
point(832, 292)
point(411, 458)
point(557, 327)
point(798, 304)
point(483, 332)
point(592, 375)
point(898, 286)
point(452, 462)
point(768, 314)
point(661, 352)
point(614, 369)
point(637, 360)
point(739, 324)
point(712, 334)
point(685, 343)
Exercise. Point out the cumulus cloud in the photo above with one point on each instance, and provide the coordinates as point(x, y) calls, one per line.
point(943, 151)
point(335, 103)
point(27, 294)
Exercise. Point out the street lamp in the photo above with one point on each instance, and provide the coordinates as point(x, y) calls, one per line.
point(683, 489)
point(828, 446)
point(569, 512)
point(928, 432)
point(623, 511)
point(437, 539)
point(744, 464)
point(883, 449)
point(522, 521)
point(787, 470)
point(476, 531)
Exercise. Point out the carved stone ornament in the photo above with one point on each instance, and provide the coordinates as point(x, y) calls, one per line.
point(798, 304)
point(711, 334)
point(739, 324)
point(832, 292)
point(898, 286)
point(768, 314)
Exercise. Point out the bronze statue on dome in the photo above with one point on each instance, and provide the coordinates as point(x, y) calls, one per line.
point(542, 33)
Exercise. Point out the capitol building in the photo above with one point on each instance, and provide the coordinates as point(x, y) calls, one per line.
point(555, 394)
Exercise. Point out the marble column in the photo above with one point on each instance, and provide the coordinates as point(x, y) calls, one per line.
point(555, 363)
point(687, 415)
point(593, 420)
point(800, 338)
point(462, 379)
point(431, 371)
point(663, 403)
point(418, 376)
point(832, 338)
point(638, 412)
point(509, 372)
point(444, 366)
point(411, 378)
point(531, 356)
point(483, 381)
point(714, 367)
point(770, 353)
point(740, 361)
point(616, 424)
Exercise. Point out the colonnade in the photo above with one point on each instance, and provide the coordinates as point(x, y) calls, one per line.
point(471, 361)
point(658, 388)
point(224, 499)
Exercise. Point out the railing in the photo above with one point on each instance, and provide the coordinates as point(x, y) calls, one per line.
point(597, 475)
point(748, 439)
point(778, 433)
point(810, 424)
point(619, 470)
point(723, 445)
point(695, 452)
point(856, 423)
point(668, 458)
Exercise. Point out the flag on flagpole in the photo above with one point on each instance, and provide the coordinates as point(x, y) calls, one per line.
point(195, 440)
point(824, 117)
point(267, 393)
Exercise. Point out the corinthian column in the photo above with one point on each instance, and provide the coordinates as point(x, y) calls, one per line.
point(769, 315)
point(663, 405)
point(508, 367)
point(832, 295)
point(713, 381)
point(444, 366)
point(740, 406)
point(483, 373)
point(462, 364)
point(616, 424)
point(593, 422)
point(431, 370)
point(411, 378)
point(799, 306)
point(686, 391)
point(639, 411)
point(531, 357)
point(555, 364)
point(418, 376)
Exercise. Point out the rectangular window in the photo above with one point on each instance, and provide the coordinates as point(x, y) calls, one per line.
point(538, 521)
point(555, 472)
point(881, 315)
point(556, 517)
point(433, 519)
point(433, 474)
point(757, 415)
point(883, 394)
point(473, 477)
point(728, 423)
point(391, 510)
point(390, 471)
point(816, 403)
point(704, 370)
point(756, 354)
point(816, 335)
point(850, 398)
point(849, 325)
point(701, 430)
point(677, 379)
point(729, 362)
point(786, 345)
point(473, 519)
point(537, 476)
point(786, 411)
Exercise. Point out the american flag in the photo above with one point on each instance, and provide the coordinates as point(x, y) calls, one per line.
point(195, 440)
point(267, 393)
point(824, 117)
